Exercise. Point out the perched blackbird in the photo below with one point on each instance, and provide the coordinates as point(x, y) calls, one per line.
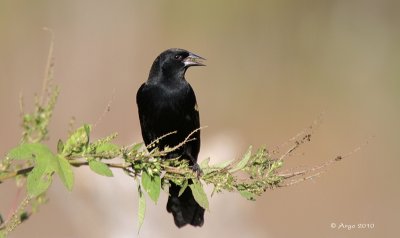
point(167, 103)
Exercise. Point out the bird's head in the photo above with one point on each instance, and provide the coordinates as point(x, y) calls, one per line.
point(175, 62)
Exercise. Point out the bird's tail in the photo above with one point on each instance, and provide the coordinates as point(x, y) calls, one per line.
point(184, 208)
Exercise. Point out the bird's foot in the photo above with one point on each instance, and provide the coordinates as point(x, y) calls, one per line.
point(196, 168)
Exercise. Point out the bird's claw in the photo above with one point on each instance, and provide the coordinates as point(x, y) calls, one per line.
point(196, 168)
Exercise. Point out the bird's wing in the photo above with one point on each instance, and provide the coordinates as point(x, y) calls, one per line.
point(194, 112)
point(142, 104)
point(193, 123)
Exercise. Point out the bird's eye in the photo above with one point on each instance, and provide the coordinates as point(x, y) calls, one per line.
point(178, 57)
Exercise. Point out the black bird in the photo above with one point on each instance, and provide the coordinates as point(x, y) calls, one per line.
point(167, 103)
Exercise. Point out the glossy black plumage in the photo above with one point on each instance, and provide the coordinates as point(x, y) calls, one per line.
point(167, 103)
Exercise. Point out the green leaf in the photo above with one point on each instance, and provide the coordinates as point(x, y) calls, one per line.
point(65, 172)
point(183, 188)
point(152, 185)
point(248, 195)
point(199, 195)
point(100, 168)
point(39, 179)
point(242, 163)
point(276, 165)
point(28, 151)
point(205, 163)
point(141, 208)
point(60, 146)
point(24, 216)
point(136, 147)
point(87, 129)
point(107, 147)
point(78, 141)
point(222, 164)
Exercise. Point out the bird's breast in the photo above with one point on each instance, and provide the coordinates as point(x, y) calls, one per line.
point(168, 104)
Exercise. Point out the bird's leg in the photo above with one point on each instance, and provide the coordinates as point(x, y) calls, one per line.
point(195, 167)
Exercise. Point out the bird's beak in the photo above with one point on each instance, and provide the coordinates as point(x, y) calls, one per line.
point(193, 60)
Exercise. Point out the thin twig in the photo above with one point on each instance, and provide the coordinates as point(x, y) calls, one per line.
point(13, 174)
point(106, 110)
point(111, 165)
point(306, 131)
point(301, 179)
point(174, 170)
point(289, 151)
point(294, 174)
point(49, 66)
point(14, 220)
point(168, 150)
point(319, 169)
point(187, 139)
point(21, 105)
point(156, 141)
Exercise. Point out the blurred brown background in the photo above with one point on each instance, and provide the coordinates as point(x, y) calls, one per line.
point(272, 67)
